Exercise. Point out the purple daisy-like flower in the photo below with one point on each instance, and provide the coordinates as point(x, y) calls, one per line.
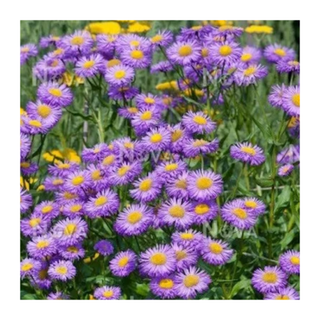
point(236, 213)
point(96, 153)
point(28, 168)
point(291, 101)
point(186, 257)
point(107, 293)
point(216, 252)
point(104, 204)
point(194, 147)
point(204, 185)
point(283, 294)
point(41, 278)
point(294, 127)
point(177, 213)
point(178, 137)
point(251, 55)
point(158, 261)
point(285, 170)
point(162, 38)
point(184, 52)
point(125, 172)
point(189, 239)
point(228, 31)
point(89, 66)
point(270, 279)
point(163, 287)
point(275, 52)
point(27, 51)
point(106, 44)
point(289, 155)
point(137, 58)
point(62, 270)
point(29, 267)
point(54, 184)
point(77, 181)
point(204, 211)
point(168, 170)
point(177, 186)
point(145, 119)
point(198, 122)
point(290, 262)
point(50, 67)
point(249, 74)
point(41, 247)
point(79, 43)
point(120, 75)
point(25, 200)
point(149, 102)
point(98, 177)
point(104, 247)
point(192, 281)
point(72, 252)
point(134, 41)
point(157, 139)
point(225, 53)
point(34, 225)
point(55, 94)
point(284, 66)
point(122, 92)
point(58, 296)
point(25, 145)
point(134, 220)
point(146, 189)
point(128, 112)
point(48, 209)
point(254, 205)
point(45, 42)
point(34, 125)
point(70, 231)
point(275, 97)
point(63, 169)
point(248, 153)
point(74, 208)
point(194, 33)
point(162, 66)
point(123, 263)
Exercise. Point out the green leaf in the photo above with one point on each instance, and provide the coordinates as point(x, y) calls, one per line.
point(287, 239)
point(264, 182)
point(283, 199)
point(142, 289)
point(29, 296)
point(242, 284)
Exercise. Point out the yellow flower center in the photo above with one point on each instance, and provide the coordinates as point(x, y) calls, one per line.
point(155, 138)
point(108, 294)
point(182, 184)
point(44, 111)
point(132, 110)
point(145, 185)
point(296, 99)
point(215, 248)
point(295, 260)
point(123, 170)
point(137, 54)
point(75, 208)
point(249, 71)
point(77, 40)
point(158, 259)
point(24, 50)
point(57, 51)
point(123, 262)
point(35, 123)
point(282, 297)
point(25, 165)
point(270, 277)
point(204, 183)
point(246, 57)
point(72, 249)
point(250, 204)
point(185, 51)
point(171, 167)
point(135, 43)
point(134, 217)
point(149, 100)
point(42, 244)
point(200, 120)
point(166, 284)
point(293, 63)
point(128, 145)
point(55, 92)
point(225, 50)
point(67, 195)
point(191, 280)
point(187, 236)
point(57, 182)
point(34, 222)
point(77, 180)
point(61, 270)
point(46, 209)
point(27, 267)
point(89, 64)
point(248, 150)
point(280, 52)
point(180, 254)
point(54, 63)
point(201, 209)
point(95, 175)
point(100, 201)
point(196, 28)
point(176, 135)
point(70, 229)
point(204, 52)
point(113, 62)
point(146, 115)
point(119, 74)
point(177, 211)
point(108, 160)
point(200, 143)
point(156, 38)
point(64, 166)
point(240, 213)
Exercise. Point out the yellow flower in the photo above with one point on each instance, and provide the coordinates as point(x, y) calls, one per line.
point(65, 154)
point(220, 23)
point(109, 27)
point(91, 297)
point(293, 122)
point(138, 27)
point(172, 85)
point(41, 187)
point(71, 79)
point(23, 112)
point(89, 259)
point(26, 183)
point(197, 92)
point(259, 29)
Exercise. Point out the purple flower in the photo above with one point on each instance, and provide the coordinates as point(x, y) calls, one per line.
point(25, 200)
point(27, 51)
point(120, 75)
point(57, 296)
point(248, 74)
point(290, 262)
point(34, 225)
point(54, 94)
point(164, 287)
point(50, 67)
point(289, 155)
point(275, 97)
point(145, 119)
point(189, 239)
point(215, 252)
point(225, 53)
point(204, 211)
point(63, 169)
point(246, 152)
point(122, 92)
point(48, 209)
point(28, 168)
point(125, 172)
point(96, 153)
point(79, 43)
point(177, 186)
point(136, 57)
point(284, 66)
point(275, 52)
point(186, 257)
point(285, 170)
point(123, 263)
point(41, 247)
point(251, 55)
point(29, 267)
point(283, 294)
point(89, 66)
point(104, 247)
point(254, 205)
point(162, 38)
point(291, 101)
point(184, 52)
point(62, 270)
point(107, 293)
point(157, 139)
point(25, 145)
point(194, 147)
point(198, 122)
point(72, 252)
point(146, 189)
point(162, 66)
